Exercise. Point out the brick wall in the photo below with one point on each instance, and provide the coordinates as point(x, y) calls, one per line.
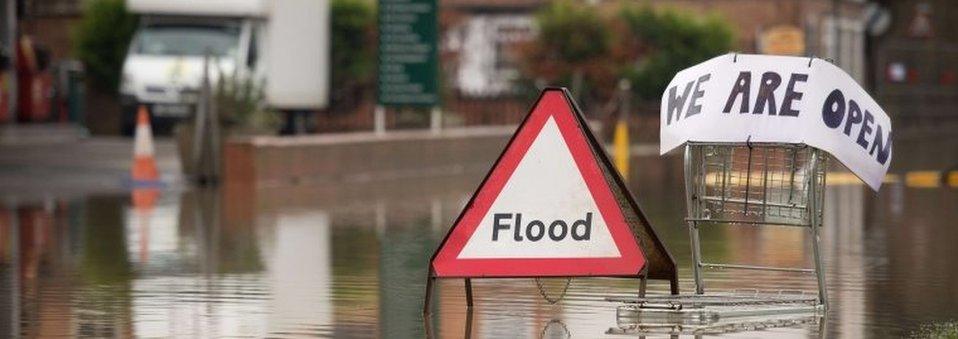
point(361, 157)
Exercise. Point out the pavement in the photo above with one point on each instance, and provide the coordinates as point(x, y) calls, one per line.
point(45, 133)
point(38, 162)
point(43, 161)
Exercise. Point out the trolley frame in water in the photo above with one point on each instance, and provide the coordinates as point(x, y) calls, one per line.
point(756, 184)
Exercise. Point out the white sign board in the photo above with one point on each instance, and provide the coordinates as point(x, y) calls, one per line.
point(763, 98)
point(297, 60)
point(220, 8)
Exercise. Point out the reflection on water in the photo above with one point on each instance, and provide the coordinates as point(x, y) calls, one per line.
point(351, 261)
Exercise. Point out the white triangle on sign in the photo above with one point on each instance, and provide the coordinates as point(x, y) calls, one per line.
point(546, 186)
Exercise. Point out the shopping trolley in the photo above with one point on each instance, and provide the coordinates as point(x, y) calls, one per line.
point(757, 184)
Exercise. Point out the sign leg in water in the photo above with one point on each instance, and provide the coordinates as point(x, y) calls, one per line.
point(552, 206)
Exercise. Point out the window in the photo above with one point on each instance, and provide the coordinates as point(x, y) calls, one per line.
point(187, 39)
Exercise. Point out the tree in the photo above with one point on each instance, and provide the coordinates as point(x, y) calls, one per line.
point(643, 45)
point(102, 39)
point(673, 42)
point(353, 59)
point(572, 49)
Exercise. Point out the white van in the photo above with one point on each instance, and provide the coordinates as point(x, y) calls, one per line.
point(283, 43)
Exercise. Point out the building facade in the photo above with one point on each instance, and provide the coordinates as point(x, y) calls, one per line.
point(915, 65)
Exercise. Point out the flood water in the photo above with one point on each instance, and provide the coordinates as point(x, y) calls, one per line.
point(350, 260)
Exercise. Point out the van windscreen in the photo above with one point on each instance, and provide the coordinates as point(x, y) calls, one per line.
point(187, 39)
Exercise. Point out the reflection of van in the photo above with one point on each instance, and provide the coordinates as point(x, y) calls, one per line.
point(283, 43)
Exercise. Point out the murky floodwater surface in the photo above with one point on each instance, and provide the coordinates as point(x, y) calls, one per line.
point(350, 260)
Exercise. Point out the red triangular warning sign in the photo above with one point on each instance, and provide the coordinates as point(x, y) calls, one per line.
point(545, 209)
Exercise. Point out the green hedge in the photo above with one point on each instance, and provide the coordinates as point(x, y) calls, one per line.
point(641, 44)
point(101, 41)
point(353, 52)
point(674, 42)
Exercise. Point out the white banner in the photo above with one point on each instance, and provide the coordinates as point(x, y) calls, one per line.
point(763, 98)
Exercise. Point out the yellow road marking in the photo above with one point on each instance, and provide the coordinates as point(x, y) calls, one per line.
point(923, 179)
point(841, 179)
point(891, 178)
point(913, 179)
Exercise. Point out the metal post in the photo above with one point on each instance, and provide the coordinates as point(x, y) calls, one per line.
point(468, 333)
point(379, 120)
point(200, 120)
point(693, 226)
point(214, 124)
point(576, 90)
point(427, 302)
point(469, 293)
point(620, 139)
point(427, 326)
point(696, 258)
point(816, 221)
point(435, 120)
point(836, 32)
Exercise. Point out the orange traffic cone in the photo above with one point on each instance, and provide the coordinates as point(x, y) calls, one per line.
point(144, 164)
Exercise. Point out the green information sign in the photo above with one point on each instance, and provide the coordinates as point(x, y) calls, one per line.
point(408, 57)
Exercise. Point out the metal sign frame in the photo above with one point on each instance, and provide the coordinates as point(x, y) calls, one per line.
point(661, 266)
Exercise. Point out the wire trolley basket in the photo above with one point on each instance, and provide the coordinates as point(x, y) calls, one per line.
point(757, 184)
